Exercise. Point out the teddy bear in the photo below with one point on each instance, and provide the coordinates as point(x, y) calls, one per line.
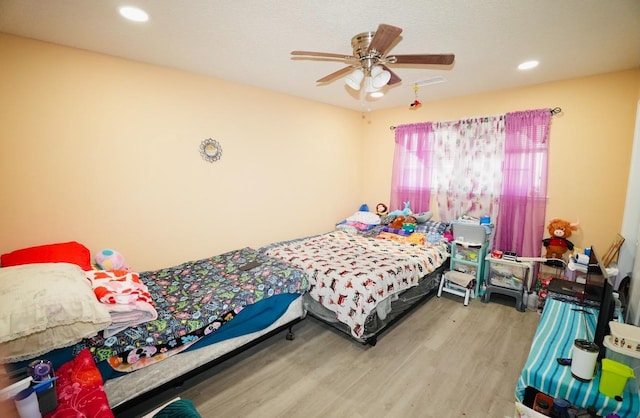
point(558, 243)
point(397, 222)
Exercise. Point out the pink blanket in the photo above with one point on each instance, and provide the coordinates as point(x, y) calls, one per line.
point(125, 296)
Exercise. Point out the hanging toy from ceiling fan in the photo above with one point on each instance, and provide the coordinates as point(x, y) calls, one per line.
point(416, 103)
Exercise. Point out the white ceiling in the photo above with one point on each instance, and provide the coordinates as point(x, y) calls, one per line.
point(249, 42)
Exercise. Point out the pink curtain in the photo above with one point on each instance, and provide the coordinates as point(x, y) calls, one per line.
point(520, 221)
point(411, 177)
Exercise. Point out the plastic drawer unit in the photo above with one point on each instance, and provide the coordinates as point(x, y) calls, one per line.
point(509, 278)
point(469, 259)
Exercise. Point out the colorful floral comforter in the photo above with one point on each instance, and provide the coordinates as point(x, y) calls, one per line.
point(193, 300)
point(349, 274)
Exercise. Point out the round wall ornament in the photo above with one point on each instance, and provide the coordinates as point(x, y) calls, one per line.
point(210, 150)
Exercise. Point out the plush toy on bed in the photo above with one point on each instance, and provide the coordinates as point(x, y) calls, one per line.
point(558, 243)
point(111, 260)
point(397, 222)
point(404, 212)
point(409, 224)
point(382, 210)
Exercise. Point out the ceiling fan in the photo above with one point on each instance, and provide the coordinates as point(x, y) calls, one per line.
point(370, 61)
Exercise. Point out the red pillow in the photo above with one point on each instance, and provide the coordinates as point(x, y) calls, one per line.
point(65, 252)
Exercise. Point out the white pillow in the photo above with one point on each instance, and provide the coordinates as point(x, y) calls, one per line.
point(46, 306)
point(423, 217)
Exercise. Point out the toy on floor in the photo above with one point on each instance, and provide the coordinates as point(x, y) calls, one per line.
point(108, 259)
point(558, 243)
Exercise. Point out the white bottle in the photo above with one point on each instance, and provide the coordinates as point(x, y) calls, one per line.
point(618, 309)
point(532, 301)
point(27, 403)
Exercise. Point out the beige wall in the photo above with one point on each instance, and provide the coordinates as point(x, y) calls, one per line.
point(590, 146)
point(105, 151)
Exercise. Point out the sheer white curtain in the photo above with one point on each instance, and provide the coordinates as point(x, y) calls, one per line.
point(466, 173)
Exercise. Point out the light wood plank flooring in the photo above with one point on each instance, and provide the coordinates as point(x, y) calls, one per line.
point(443, 360)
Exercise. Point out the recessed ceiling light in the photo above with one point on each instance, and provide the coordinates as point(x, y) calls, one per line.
point(376, 94)
point(527, 65)
point(133, 13)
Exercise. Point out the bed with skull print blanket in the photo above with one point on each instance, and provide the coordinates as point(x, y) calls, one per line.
point(200, 304)
point(352, 276)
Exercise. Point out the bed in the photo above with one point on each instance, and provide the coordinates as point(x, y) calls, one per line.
point(361, 282)
point(207, 311)
point(562, 322)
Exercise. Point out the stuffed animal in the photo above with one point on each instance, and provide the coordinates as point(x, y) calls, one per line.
point(382, 209)
point(558, 243)
point(409, 224)
point(111, 260)
point(405, 212)
point(397, 222)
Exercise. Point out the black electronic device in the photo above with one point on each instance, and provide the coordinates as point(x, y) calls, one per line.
point(597, 276)
point(597, 291)
point(586, 292)
point(508, 255)
point(564, 361)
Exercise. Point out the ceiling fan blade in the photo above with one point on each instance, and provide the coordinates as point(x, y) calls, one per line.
point(438, 59)
point(335, 74)
point(322, 54)
point(394, 77)
point(384, 37)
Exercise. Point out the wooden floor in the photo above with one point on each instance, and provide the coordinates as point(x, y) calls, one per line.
point(443, 360)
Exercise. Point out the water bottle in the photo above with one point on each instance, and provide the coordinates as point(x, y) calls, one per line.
point(618, 309)
point(532, 301)
point(560, 408)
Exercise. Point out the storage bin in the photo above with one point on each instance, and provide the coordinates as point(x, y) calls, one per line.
point(625, 336)
point(466, 268)
point(476, 234)
point(467, 253)
point(510, 276)
point(629, 358)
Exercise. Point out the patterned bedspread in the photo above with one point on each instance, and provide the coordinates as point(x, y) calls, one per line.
point(194, 299)
point(349, 274)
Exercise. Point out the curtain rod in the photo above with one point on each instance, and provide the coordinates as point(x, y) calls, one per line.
point(553, 112)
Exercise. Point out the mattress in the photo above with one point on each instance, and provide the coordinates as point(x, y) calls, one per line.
point(387, 310)
point(129, 386)
point(351, 275)
point(200, 303)
point(560, 324)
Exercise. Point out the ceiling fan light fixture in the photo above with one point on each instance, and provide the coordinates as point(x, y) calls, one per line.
point(354, 79)
point(376, 94)
point(379, 77)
